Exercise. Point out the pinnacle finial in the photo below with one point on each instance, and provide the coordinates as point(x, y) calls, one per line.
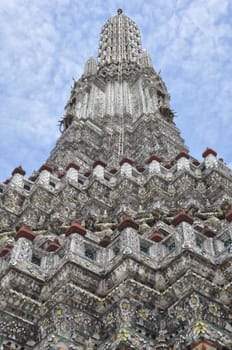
point(119, 11)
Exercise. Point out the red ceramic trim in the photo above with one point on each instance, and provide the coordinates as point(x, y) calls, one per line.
point(25, 232)
point(99, 162)
point(126, 160)
point(73, 165)
point(209, 151)
point(105, 241)
point(153, 157)
point(182, 217)
point(208, 232)
point(229, 216)
point(128, 223)
point(76, 228)
point(156, 236)
point(182, 154)
point(18, 170)
point(46, 167)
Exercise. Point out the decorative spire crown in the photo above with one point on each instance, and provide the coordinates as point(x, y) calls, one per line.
point(120, 40)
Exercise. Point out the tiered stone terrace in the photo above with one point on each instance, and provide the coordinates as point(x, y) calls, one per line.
point(121, 240)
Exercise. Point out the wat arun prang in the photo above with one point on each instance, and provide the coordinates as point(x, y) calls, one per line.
point(122, 239)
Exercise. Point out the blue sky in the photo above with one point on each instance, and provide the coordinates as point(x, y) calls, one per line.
point(43, 44)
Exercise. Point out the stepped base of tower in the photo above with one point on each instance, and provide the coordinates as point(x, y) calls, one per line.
point(141, 262)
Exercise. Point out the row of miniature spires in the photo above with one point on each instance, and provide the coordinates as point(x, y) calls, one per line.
point(127, 222)
point(126, 165)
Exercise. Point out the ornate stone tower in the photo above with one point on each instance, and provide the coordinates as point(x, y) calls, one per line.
point(120, 106)
point(121, 240)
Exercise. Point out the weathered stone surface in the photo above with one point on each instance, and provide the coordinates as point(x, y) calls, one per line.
point(122, 240)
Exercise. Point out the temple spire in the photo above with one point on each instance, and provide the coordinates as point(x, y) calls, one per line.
point(121, 240)
point(116, 91)
point(120, 41)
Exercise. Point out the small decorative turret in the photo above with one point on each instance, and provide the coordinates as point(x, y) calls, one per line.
point(145, 60)
point(120, 41)
point(90, 67)
point(45, 171)
point(17, 176)
point(210, 157)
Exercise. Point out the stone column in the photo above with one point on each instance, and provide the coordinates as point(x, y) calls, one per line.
point(72, 172)
point(182, 161)
point(17, 176)
point(126, 167)
point(45, 172)
point(22, 251)
point(129, 240)
point(210, 158)
point(98, 169)
point(154, 164)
